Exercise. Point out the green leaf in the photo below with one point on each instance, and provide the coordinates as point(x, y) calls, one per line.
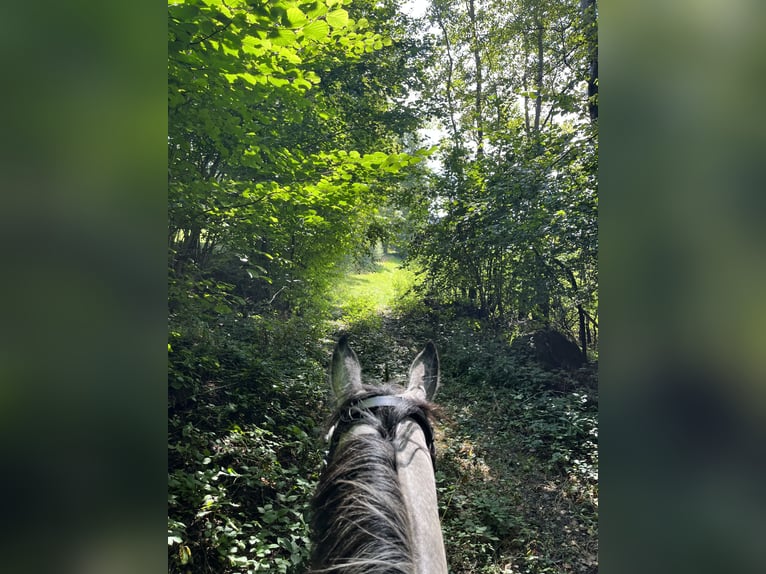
point(290, 55)
point(249, 78)
point(184, 553)
point(183, 11)
point(252, 45)
point(278, 82)
point(338, 18)
point(317, 30)
point(316, 9)
point(283, 38)
point(296, 18)
point(303, 84)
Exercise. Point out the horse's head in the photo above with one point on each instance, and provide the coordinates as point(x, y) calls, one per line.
point(346, 373)
point(375, 507)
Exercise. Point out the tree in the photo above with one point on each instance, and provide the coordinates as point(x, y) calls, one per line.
point(515, 201)
point(276, 163)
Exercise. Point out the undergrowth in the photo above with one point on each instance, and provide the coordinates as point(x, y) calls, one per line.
point(517, 455)
point(244, 414)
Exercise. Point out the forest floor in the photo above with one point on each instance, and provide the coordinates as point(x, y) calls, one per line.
point(517, 458)
point(516, 445)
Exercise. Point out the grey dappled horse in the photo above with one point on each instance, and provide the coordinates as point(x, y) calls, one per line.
point(375, 507)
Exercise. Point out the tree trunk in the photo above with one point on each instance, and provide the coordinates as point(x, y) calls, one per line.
point(583, 335)
point(475, 47)
point(450, 67)
point(590, 28)
point(539, 78)
point(525, 83)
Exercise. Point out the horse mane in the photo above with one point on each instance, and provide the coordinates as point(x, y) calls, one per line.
point(359, 521)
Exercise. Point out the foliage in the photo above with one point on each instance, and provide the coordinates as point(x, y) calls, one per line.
point(242, 461)
point(516, 439)
point(273, 174)
point(513, 231)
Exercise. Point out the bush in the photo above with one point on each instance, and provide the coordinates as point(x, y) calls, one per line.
point(243, 455)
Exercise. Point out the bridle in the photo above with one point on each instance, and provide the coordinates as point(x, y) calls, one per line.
point(355, 410)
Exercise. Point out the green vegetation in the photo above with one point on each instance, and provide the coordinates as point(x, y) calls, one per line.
point(374, 290)
point(294, 164)
point(516, 444)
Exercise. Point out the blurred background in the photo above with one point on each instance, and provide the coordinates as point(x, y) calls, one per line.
point(683, 276)
point(82, 222)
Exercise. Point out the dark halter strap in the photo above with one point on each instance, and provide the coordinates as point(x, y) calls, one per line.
point(352, 412)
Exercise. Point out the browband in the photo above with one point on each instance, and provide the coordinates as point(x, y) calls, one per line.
point(373, 403)
point(379, 401)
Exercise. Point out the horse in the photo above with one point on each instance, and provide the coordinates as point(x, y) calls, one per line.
point(375, 508)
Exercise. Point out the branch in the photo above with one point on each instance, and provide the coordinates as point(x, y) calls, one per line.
point(569, 150)
point(277, 293)
point(212, 33)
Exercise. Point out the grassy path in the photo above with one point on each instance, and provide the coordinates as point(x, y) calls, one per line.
point(373, 291)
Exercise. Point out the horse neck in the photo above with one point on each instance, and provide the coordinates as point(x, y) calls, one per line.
point(416, 478)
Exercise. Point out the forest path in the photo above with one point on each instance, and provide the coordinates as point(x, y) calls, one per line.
point(516, 477)
point(374, 289)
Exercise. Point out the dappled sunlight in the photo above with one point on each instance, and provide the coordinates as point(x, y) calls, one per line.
point(373, 291)
point(518, 471)
point(462, 452)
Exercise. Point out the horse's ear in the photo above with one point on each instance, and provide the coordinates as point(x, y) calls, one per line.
point(424, 372)
point(345, 370)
